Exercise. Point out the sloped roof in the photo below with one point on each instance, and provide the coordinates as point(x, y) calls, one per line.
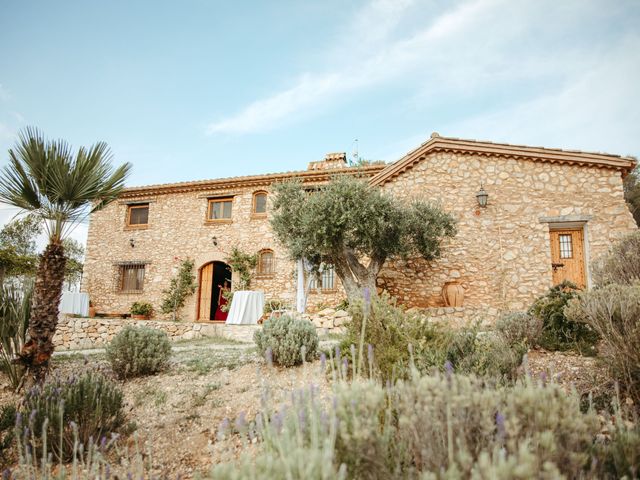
point(306, 176)
point(521, 152)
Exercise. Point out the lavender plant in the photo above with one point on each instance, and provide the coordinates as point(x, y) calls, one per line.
point(290, 340)
point(72, 410)
point(137, 351)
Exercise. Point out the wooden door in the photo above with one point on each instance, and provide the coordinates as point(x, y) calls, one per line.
point(206, 287)
point(567, 256)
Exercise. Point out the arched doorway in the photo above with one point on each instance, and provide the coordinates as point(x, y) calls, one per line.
point(213, 277)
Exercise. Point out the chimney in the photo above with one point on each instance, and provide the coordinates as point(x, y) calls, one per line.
point(331, 161)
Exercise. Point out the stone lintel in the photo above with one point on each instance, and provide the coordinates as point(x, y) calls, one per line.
point(566, 219)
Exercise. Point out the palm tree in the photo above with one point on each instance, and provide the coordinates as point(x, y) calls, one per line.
point(47, 179)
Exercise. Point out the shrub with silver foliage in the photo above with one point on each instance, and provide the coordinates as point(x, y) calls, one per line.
point(138, 351)
point(286, 337)
point(519, 328)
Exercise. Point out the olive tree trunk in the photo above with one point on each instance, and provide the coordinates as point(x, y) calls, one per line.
point(355, 277)
point(36, 353)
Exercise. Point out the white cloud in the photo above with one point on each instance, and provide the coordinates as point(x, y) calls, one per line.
point(594, 110)
point(384, 59)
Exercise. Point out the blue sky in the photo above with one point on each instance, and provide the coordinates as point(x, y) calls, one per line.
point(202, 89)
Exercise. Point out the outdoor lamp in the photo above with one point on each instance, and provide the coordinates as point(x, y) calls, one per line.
point(482, 196)
point(132, 242)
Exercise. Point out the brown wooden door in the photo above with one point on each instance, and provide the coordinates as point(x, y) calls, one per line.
point(206, 287)
point(567, 257)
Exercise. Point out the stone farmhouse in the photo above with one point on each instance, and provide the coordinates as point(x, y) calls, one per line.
point(528, 218)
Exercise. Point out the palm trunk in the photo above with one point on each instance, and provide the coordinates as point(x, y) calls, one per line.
point(44, 313)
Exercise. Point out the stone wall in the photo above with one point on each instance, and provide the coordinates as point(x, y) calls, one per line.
point(84, 333)
point(177, 230)
point(502, 253)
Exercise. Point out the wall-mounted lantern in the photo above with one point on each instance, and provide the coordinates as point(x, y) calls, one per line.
point(215, 241)
point(482, 196)
point(132, 242)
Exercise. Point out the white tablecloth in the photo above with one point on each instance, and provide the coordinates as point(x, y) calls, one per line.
point(75, 302)
point(246, 308)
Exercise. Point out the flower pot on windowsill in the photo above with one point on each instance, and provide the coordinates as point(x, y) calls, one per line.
point(92, 312)
point(140, 317)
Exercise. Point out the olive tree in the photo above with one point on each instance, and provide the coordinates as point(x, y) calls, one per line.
point(356, 228)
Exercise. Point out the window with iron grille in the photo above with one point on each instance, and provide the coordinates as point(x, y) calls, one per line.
point(327, 279)
point(131, 277)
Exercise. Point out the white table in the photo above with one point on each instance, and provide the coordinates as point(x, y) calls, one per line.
point(247, 306)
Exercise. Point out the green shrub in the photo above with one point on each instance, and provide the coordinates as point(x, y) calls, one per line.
point(391, 331)
point(398, 338)
point(15, 310)
point(82, 408)
point(621, 264)
point(520, 328)
point(137, 351)
point(613, 312)
point(559, 332)
point(141, 308)
point(285, 337)
point(484, 354)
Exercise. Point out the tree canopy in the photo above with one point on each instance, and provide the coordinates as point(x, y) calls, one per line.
point(18, 255)
point(356, 228)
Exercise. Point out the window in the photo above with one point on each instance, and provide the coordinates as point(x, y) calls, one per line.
point(260, 203)
point(327, 278)
point(266, 263)
point(131, 277)
point(566, 247)
point(138, 215)
point(219, 209)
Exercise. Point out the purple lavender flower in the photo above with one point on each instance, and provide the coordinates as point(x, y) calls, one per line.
point(345, 365)
point(241, 422)
point(32, 417)
point(73, 425)
point(367, 296)
point(323, 361)
point(338, 356)
point(500, 426)
point(107, 471)
point(302, 418)
point(103, 442)
point(6, 474)
point(370, 353)
point(19, 419)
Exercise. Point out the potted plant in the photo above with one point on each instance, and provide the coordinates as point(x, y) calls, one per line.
point(141, 311)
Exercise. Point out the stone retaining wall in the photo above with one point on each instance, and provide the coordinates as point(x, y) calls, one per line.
point(79, 333)
point(82, 333)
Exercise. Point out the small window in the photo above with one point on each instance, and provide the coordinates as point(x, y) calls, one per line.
point(266, 263)
point(566, 247)
point(138, 215)
point(260, 203)
point(327, 279)
point(220, 209)
point(131, 278)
